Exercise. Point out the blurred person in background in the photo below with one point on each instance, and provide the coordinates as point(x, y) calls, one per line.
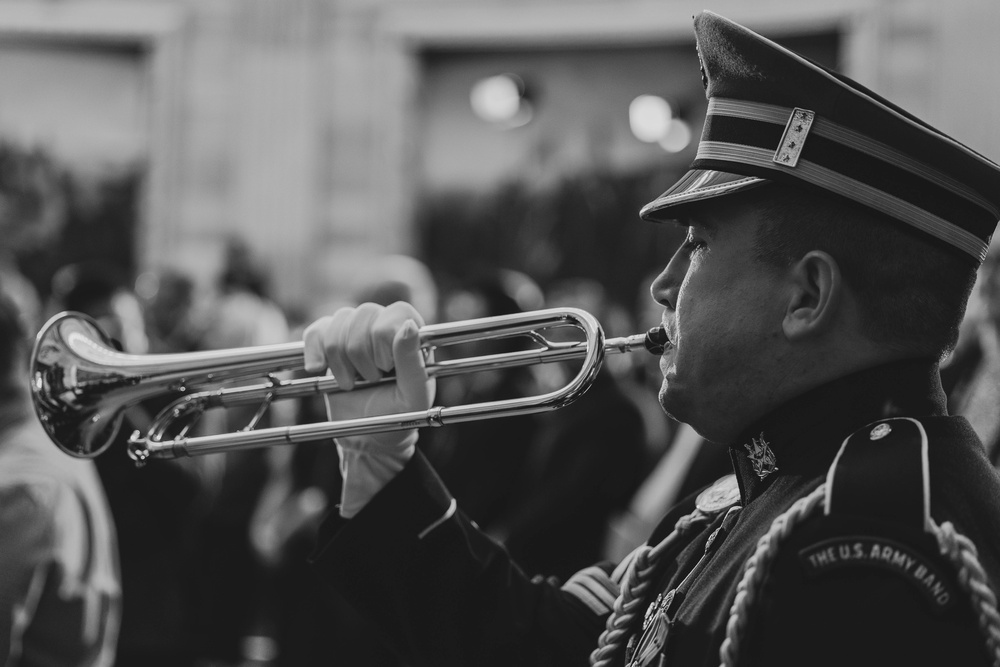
point(172, 323)
point(236, 571)
point(102, 292)
point(156, 508)
point(243, 312)
point(311, 627)
point(481, 459)
point(971, 375)
point(60, 588)
point(389, 278)
point(33, 211)
point(581, 463)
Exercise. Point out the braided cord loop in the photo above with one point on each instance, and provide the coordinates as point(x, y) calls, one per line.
point(972, 578)
point(756, 569)
point(635, 585)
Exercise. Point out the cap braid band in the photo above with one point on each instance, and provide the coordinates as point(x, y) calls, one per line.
point(635, 585)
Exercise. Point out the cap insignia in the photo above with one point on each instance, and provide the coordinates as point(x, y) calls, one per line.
point(794, 138)
point(761, 456)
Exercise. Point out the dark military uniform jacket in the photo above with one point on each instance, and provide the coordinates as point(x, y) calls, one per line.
point(851, 487)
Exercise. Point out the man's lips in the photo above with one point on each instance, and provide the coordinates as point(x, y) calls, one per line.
point(668, 334)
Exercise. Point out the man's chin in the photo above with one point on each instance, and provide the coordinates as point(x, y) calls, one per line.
point(673, 403)
point(669, 402)
point(709, 428)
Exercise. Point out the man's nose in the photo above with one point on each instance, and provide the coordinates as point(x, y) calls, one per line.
point(666, 286)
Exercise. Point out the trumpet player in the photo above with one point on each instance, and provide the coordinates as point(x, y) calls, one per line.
point(832, 242)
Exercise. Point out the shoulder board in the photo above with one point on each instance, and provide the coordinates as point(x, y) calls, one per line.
point(881, 472)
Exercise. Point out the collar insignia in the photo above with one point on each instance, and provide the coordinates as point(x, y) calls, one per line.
point(761, 456)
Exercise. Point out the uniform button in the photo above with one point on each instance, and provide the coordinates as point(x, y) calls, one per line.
point(880, 432)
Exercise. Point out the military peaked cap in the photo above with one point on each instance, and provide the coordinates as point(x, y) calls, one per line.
point(775, 116)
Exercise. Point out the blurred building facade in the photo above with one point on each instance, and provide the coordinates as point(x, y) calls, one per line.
point(312, 128)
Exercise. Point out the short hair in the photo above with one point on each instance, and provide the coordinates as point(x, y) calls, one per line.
point(912, 289)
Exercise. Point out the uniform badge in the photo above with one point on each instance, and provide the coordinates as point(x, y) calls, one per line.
point(761, 456)
point(880, 432)
point(643, 649)
point(794, 138)
point(862, 551)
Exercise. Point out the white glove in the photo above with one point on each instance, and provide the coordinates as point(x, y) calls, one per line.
point(367, 342)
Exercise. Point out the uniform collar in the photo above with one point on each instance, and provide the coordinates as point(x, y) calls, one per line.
point(802, 436)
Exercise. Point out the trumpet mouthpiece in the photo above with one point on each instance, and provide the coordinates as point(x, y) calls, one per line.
point(656, 340)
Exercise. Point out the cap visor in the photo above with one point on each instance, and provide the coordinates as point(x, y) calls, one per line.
point(695, 186)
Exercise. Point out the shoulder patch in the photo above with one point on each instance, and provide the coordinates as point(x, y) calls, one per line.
point(880, 552)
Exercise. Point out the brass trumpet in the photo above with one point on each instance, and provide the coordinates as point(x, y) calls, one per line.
point(81, 385)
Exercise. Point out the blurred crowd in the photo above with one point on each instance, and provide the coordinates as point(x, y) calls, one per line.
point(204, 561)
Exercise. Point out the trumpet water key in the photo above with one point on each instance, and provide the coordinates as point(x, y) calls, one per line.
point(82, 386)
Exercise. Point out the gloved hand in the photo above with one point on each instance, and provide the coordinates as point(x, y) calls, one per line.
point(367, 342)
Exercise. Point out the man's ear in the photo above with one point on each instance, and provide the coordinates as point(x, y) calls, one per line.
point(815, 297)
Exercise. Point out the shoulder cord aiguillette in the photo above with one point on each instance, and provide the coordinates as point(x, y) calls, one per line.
point(635, 585)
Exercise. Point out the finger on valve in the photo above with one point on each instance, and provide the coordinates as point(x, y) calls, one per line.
point(340, 343)
point(366, 342)
point(313, 350)
point(414, 387)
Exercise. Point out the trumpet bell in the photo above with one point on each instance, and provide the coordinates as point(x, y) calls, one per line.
point(82, 385)
point(65, 375)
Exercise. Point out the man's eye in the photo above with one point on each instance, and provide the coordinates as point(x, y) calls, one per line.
point(692, 244)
